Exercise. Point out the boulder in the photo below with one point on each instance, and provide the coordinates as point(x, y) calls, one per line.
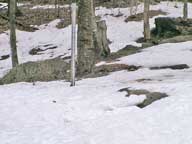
point(48, 70)
point(170, 27)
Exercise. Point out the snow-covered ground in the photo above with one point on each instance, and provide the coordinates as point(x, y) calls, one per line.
point(94, 112)
point(161, 55)
point(26, 41)
point(2, 5)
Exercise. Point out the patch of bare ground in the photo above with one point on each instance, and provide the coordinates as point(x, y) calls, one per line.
point(173, 67)
point(39, 49)
point(115, 67)
point(4, 57)
point(35, 17)
point(150, 96)
point(104, 70)
point(139, 16)
point(127, 50)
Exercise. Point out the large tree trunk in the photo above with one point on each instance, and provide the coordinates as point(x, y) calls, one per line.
point(147, 34)
point(16, 8)
point(86, 49)
point(185, 9)
point(13, 45)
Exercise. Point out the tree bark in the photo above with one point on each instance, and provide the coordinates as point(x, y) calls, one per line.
point(185, 9)
point(103, 49)
point(13, 45)
point(147, 33)
point(16, 8)
point(100, 37)
point(85, 43)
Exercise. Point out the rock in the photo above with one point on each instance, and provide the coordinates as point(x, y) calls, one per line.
point(150, 96)
point(170, 27)
point(48, 70)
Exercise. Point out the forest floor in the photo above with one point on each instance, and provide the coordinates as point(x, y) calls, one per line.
point(95, 111)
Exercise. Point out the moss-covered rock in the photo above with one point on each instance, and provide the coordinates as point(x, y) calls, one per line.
point(48, 70)
point(167, 27)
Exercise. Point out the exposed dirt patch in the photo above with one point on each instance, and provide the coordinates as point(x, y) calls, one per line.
point(35, 17)
point(115, 67)
point(38, 50)
point(128, 50)
point(4, 57)
point(117, 15)
point(143, 80)
point(173, 67)
point(150, 96)
point(139, 16)
point(104, 70)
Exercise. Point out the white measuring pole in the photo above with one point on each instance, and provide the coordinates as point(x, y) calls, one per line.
point(73, 42)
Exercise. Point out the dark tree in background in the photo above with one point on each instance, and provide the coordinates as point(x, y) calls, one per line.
point(12, 20)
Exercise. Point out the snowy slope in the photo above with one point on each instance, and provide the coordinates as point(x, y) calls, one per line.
point(94, 112)
point(161, 55)
point(26, 41)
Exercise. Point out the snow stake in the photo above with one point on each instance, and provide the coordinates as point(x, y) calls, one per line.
point(73, 42)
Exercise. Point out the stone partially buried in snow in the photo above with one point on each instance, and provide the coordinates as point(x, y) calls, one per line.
point(150, 96)
point(48, 70)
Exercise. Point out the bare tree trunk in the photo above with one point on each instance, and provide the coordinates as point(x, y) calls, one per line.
point(147, 33)
point(17, 12)
point(86, 49)
point(185, 9)
point(12, 16)
point(57, 8)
